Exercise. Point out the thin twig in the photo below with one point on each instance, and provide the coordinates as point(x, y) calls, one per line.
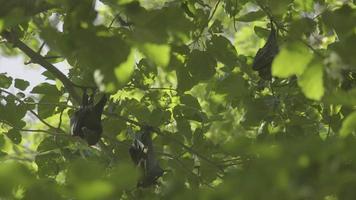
point(113, 20)
point(60, 116)
point(41, 47)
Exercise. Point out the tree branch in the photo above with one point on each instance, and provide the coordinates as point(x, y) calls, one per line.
point(38, 59)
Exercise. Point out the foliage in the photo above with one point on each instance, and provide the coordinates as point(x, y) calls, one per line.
point(183, 68)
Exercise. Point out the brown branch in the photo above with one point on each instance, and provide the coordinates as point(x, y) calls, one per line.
point(38, 59)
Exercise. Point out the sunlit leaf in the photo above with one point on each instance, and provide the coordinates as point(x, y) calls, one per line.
point(311, 81)
point(159, 54)
point(124, 70)
point(348, 125)
point(95, 190)
point(291, 60)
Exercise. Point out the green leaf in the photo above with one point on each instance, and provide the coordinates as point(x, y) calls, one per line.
point(48, 164)
point(48, 75)
point(251, 16)
point(45, 88)
point(261, 32)
point(348, 125)
point(233, 85)
point(185, 80)
point(47, 144)
point(158, 117)
point(291, 60)
point(346, 14)
point(184, 128)
point(157, 25)
point(345, 49)
point(158, 53)
point(277, 7)
point(5, 81)
point(2, 141)
point(47, 105)
point(311, 81)
point(14, 135)
point(97, 189)
point(201, 65)
point(123, 176)
point(306, 5)
point(1, 25)
point(190, 100)
point(222, 49)
point(124, 71)
point(186, 112)
point(113, 127)
point(2, 154)
point(11, 117)
point(341, 97)
point(21, 84)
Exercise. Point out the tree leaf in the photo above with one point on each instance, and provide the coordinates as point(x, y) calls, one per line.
point(47, 105)
point(222, 49)
point(201, 65)
point(124, 71)
point(251, 16)
point(291, 60)
point(14, 135)
point(311, 81)
point(348, 125)
point(48, 164)
point(5, 81)
point(45, 88)
point(21, 84)
point(158, 53)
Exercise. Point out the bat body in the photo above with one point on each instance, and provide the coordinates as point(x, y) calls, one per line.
point(86, 121)
point(143, 156)
point(265, 55)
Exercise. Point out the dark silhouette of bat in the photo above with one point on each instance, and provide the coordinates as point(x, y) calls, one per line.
point(86, 121)
point(265, 55)
point(143, 156)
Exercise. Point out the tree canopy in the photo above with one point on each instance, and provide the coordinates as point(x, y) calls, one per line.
point(206, 99)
